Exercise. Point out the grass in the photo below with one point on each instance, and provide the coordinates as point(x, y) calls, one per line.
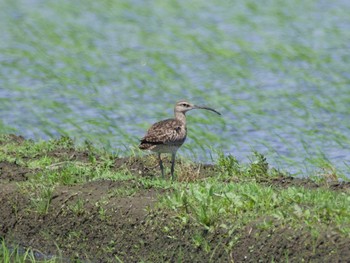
point(206, 200)
point(16, 254)
point(232, 196)
point(214, 204)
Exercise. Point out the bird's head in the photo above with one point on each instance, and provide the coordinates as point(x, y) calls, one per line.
point(185, 106)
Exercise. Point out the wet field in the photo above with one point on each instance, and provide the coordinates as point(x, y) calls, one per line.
point(104, 71)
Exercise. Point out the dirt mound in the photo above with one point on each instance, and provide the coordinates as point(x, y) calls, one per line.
point(13, 172)
point(104, 221)
point(289, 244)
point(13, 138)
point(100, 214)
point(108, 221)
point(120, 225)
point(285, 182)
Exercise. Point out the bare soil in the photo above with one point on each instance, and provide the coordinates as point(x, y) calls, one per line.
point(107, 221)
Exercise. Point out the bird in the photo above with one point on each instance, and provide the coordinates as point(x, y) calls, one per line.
point(168, 135)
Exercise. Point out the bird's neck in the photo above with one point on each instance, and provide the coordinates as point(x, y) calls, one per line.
point(180, 116)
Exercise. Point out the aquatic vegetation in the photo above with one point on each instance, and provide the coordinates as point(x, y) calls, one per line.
point(104, 71)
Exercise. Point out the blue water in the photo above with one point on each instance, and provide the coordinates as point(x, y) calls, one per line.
point(104, 71)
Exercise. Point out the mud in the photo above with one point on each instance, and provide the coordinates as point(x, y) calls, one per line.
point(108, 221)
point(13, 172)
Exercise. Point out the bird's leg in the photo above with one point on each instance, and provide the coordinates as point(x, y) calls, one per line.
point(161, 165)
point(173, 165)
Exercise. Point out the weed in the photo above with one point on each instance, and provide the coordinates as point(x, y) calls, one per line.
point(123, 192)
point(9, 254)
point(212, 204)
point(102, 211)
point(41, 197)
point(200, 241)
point(42, 162)
point(258, 165)
point(229, 165)
point(78, 207)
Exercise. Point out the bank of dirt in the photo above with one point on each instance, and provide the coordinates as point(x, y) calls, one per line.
point(107, 221)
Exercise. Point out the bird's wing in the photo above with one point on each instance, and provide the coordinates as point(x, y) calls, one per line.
point(163, 132)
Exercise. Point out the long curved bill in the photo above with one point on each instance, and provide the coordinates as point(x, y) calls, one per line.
point(206, 108)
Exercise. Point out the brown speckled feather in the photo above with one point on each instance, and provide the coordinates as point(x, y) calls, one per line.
point(170, 132)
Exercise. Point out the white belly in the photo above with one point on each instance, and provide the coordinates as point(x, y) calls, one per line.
point(166, 148)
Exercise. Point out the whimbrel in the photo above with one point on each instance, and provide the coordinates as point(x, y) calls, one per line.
point(168, 135)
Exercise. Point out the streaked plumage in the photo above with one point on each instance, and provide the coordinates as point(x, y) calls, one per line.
point(163, 135)
point(168, 135)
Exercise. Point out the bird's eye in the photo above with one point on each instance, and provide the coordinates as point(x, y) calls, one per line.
point(185, 105)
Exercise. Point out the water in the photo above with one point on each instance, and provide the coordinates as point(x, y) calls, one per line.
point(104, 71)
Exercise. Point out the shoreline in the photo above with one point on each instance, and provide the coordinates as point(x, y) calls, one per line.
point(83, 203)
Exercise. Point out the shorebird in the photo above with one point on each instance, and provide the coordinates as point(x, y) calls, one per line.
point(168, 135)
